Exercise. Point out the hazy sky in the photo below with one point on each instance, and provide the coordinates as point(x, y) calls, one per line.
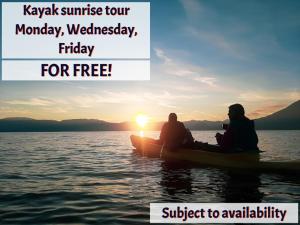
point(205, 55)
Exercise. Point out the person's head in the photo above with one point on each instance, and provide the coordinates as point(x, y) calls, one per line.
point(236, 111)
point(172, 117)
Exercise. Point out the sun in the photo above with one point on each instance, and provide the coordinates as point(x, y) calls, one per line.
point(141, 120)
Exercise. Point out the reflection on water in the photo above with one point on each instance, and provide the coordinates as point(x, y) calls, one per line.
point(176, 178)
point(141, 133)
point(93, 178)
point(242, 187)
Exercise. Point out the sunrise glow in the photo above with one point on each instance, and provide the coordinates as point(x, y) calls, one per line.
point(141, 120)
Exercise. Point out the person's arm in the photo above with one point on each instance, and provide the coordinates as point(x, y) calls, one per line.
point(162, 135)
point(255, 135)
point(226, 141)
point(183, 131)
point(219, 138)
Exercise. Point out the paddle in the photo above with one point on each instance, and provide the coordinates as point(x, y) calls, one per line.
point(161, 150)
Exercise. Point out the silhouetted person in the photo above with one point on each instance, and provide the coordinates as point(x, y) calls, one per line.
point(240, 133)
point(172, 133)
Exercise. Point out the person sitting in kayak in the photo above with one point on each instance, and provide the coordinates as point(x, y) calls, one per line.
point(189, 140)
point(240, 133)
point(173, 133)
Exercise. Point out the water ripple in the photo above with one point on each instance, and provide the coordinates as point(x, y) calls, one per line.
point(94, 178)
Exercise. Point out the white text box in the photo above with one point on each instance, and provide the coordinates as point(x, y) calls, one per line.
point(223, 212)
point(48, 46)
point(88, 70)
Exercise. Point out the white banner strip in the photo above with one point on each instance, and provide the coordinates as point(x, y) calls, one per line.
point(72, 70)
point(223, 212)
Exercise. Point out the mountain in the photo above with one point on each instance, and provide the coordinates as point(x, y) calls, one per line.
point(17, 118)
point(19, 125)
point(203, 125)
point(285, 119)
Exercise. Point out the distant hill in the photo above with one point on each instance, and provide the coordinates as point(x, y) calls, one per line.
point(285, 119)
point(26, 124)
point(16, 118)
point(203, 125)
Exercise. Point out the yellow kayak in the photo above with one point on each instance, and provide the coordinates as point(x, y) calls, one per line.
point(240, 160)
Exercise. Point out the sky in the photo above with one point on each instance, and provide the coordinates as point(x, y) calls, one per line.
point(205, 55)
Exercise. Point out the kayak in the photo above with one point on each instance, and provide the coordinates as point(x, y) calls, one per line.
point(233, 160)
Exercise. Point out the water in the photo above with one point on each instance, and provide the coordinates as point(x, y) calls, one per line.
point(94, 178)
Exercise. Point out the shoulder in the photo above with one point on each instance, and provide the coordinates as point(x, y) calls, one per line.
point(244, 123)
point(248, 123)
point(181, 124)
point(165, 125)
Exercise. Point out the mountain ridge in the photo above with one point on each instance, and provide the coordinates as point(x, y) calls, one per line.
point(285, 119)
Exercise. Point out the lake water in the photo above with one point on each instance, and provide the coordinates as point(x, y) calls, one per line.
point(94, 178)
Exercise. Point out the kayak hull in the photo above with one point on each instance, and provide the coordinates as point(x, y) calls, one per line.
point(241, 160)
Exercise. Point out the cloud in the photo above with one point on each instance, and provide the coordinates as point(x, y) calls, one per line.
point(216, 39)
point(210, 81)
point(173, 65)
point(263, 96)
point(293, 95)
point(169, 96)
point(7, 111)
point(187, 71)
point(167, 105)
point(263, 103)
point(74, 84)
point(192, 8)
point(161, 55)
point(255, 97)
point(198, 114)
point(31, 102)
point(267, 110)
point(84, 101)
point(201, 25)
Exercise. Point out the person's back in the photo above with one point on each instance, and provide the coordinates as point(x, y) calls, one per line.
point(244, 134)
point(240, 133)
point(172, 133)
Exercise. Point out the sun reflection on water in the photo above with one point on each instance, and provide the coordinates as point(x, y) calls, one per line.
point(141, 133)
